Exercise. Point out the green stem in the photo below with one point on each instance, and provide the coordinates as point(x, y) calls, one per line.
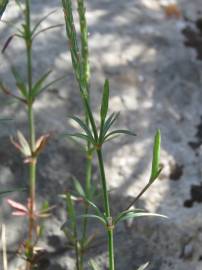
point(88, 194)
point(77, 252)
point(32, 165)
point(107, 210)
point(111, 249)
point(104, 183)
point(85, 78)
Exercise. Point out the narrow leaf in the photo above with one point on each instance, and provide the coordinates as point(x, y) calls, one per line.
point(3, 4)
point(84, 127)
point(124, 213)
point(19, 82)
point(38, 85)
point(109, 122)
point(96, 208)
point(105, 101)
point(93, 216)
point(40, 21)
point(93, 265)
point(17, 205)
point(70, 210)
point(79, 188)
point(8, 41)
point(156, 157)
point(80, 136)
point(50, 84)
point(137, 215)
point(6, 192)
point(24, 144)
point(119, 131)
point(144, 266)
point(46, 29)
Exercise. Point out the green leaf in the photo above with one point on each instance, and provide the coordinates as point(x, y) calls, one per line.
point(46, 29)
point(105, 101)
point(97, 210)
point(3, 4)
point(84, 127)
point(119, 131)
point(5, 119)
point(80, 136)
point(124, 213)
point(19, 82)
point(156, 169)
point(38, 85)
point(40, 21)
point(109, 122)
point(68, 233)
point(95, 217)
point(50, 84)
point(6, 192)
point(93, 265)
point(25, 147)
point(156, 157)
point(79, 188)
point(131, 215)
point(144, 266)
point(70, 210)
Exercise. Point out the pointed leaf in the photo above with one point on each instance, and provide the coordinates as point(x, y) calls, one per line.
point(105, 101)
point(144, 266)
point(70, 210)
point(8, 41)
point(137, 215)
point(42, 20)
point(24, 144)
point(19, 213)
point(79, 188)
point(3, 4)
point(109, 122)
point(38, 85)
point(19, 82)
point(124, 213)
point(93, 265)
point(5, 192)
point(46, 29)
point(156, 157)
point(93, 216)
point(17, 205)
point(96, 208)
point(50, 84)
point(84, 127)
point(120, 131)
point(80, 136)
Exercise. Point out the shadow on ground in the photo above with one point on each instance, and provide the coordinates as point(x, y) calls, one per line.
point(155, 83)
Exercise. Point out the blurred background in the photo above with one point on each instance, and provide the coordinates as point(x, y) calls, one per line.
point(151, 51)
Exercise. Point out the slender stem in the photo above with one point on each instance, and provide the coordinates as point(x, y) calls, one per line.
point(111, 249)
point(104, 183)
point(77, 249)
point(107, 210)
point(80, 66)
point(88, 194)
point(85, 78)
point(32, 165)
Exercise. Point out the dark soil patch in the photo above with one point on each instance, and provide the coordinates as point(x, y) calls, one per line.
point(196, 144)
point(176, 172)
point(193, 38)
point(196, 196)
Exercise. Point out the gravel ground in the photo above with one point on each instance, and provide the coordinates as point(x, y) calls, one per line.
point(154, 66)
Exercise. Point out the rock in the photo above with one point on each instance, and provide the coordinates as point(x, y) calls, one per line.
point(155, 83)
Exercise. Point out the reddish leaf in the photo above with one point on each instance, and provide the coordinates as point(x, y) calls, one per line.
point(18, 206)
